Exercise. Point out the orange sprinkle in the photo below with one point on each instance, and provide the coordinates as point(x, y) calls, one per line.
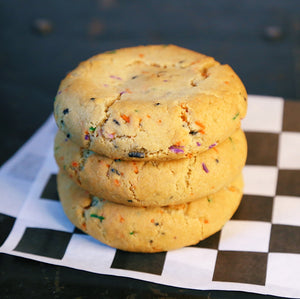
point(177, 143)
point(117, 182)
point(198, 123)
point(148, 116)
point(215, 149)
point(136, 170)
point(201, 131)
point(192, 194)
point(197, 61)
point(141, 55)
point(75, 164)
point(205, 221)
point(125, 117)
point(122, 219)
point(232, 188)
point(159, 121)
point(226, 82)
point(83, 226)
point(107, 165)
point(190, 155)
point(152, 220)
point(128, 90)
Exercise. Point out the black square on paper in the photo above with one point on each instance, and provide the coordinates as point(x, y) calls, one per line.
point(6, 225)
point(50, 190)
point(288, 182)
point(78, 231)
point(291, 112)
point(262, 148)
point(255, 208)
point(152, 263)
point(211, 242)
point(44, 242)
point(285, 238)
point(241, 267)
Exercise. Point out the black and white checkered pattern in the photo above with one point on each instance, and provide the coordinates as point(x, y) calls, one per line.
point(258, 250)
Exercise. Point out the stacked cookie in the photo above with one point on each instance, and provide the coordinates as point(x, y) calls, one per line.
point(150, 148)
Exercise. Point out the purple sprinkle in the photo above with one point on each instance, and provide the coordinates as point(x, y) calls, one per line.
point(214, 144)
point(122, 92)
point(205, 168)
point(87, 137)
point(115, 77)
point(198, 143)
point(59, 92)
point(105, 85)
point(165, 80)
point(176, 149)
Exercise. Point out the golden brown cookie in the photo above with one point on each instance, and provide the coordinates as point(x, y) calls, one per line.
point(151, 229)
point(150, 102)
point(153, 183)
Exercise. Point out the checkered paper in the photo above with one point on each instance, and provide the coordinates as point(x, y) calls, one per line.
point(258, 250)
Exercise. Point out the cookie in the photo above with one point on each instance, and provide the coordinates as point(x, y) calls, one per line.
point(150, 103)
point(150, 229)
point(153, 183)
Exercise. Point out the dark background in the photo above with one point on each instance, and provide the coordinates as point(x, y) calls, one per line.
point(40, 41)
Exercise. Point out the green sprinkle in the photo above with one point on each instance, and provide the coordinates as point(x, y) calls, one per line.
point(209, 199)
point(101, 218)
point(136, 110)
point(92, 129)
point(236, 116)
point(54, 99)
point(230, 139)
point(131, 233)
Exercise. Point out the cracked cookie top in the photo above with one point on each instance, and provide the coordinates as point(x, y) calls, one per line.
point(150, 102)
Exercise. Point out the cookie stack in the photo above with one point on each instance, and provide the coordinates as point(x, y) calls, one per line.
point(150, 147)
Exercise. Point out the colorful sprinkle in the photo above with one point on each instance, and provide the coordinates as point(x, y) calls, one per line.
point(117, 182)
point(122, 219)
point(105, 85)
point(116, 122)
point(125, 117)
point(131, 233)
point(92, 99)
point(236, 116)
point(156, 104)
point(66, 111)
point(115, 77)
point(92, 129)
point(176, 149)
point(212, 145)
point(205, 168)
point(74, 164)
point(198, 143)
point(209, 199)
point(193, 132)
point(115, 171)
point(101, 218)
point(198, 123)
point(136, 155)
point(111, 136)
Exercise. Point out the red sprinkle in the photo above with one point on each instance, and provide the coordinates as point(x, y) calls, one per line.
point(126, 118)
